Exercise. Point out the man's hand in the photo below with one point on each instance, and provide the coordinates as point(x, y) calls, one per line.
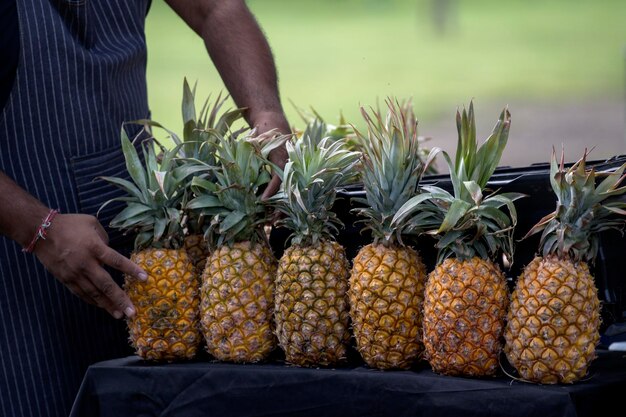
point(264, 122)
point(75, 250)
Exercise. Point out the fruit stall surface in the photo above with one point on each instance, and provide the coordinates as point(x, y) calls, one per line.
point(132, 387)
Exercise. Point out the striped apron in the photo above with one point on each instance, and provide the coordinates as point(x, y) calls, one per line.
point(81, 74)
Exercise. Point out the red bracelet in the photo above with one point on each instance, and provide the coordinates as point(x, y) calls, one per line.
point(42, 231)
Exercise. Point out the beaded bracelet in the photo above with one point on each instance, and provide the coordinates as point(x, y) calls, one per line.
point(42, 231)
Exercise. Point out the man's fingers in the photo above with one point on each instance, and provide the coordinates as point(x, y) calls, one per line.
point(90, 294)
point(110, 296)
point(118, 261)
point(79, 292)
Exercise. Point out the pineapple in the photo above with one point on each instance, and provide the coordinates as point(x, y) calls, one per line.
point(386, 286)
point(166, 326)
point(311, 308)
point(466, 295)
point(554, 319)
point(237, 293)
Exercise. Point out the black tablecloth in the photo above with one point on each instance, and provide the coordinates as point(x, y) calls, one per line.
point(131, 387)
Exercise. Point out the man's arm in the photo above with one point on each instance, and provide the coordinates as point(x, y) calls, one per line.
point(75, 248)
point(244, 60)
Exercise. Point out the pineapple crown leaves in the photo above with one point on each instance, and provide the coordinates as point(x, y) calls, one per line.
point(410, 119)
point(233, 202)
point(391, 169)
point(154, 195)
point(316, 167)
point(199, 140)
point(200, 129)
point(581, 210)
point(341, 131)
point(468, 223)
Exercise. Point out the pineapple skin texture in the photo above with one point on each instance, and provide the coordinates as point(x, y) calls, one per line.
point(465, 308)
point(237, 303)
point(312, 312)
point(197, 250)
point(386, 294)
point(166, 326)
point(553, 323)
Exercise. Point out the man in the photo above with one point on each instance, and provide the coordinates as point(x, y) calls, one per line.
point(72, 73)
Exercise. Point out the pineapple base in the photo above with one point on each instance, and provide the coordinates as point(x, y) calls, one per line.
point(553, 322)
point(386, 295)
point(166, 326)
point(464, 311)
point(311, 311)
point(237, 302)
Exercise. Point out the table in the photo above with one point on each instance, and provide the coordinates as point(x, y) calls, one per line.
point(130, 387)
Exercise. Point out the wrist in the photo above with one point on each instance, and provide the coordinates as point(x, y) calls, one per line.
point(20, 213)
point(267, 120)
point(41, 231)
point(26, 224)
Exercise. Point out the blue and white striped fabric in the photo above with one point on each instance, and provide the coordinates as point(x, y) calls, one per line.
point(81, 74)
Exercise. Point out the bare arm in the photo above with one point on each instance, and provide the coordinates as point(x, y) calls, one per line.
point(243, 59)
point(74, 250)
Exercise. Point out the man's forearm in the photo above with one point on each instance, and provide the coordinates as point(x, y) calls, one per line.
point(20, 213)
point(243, 58)
point(241, 54)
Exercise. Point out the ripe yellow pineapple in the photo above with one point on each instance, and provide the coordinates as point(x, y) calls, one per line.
point(466, 296)
point(166, 326)
point(237, 293)
point(387, 277)
point(554, 319)
point(311, 308)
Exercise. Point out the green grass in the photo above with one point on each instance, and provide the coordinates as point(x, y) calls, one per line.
point(336, 55)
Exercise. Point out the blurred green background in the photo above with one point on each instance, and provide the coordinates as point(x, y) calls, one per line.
point(335, 55)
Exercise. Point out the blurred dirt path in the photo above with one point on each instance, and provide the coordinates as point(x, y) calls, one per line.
point(538, 126)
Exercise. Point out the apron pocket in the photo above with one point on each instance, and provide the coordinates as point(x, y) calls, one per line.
point(93, 192)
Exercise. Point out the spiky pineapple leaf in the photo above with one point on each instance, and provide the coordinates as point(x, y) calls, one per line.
point(134, 209)
point(133, 163)
point(410, 207)
point(204, 201)
point(232, 219)
point(126, 186)
point(147, 122)
point(188, 106)
point(457, 210)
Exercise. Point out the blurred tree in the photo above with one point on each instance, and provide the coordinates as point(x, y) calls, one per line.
point(443, 14)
